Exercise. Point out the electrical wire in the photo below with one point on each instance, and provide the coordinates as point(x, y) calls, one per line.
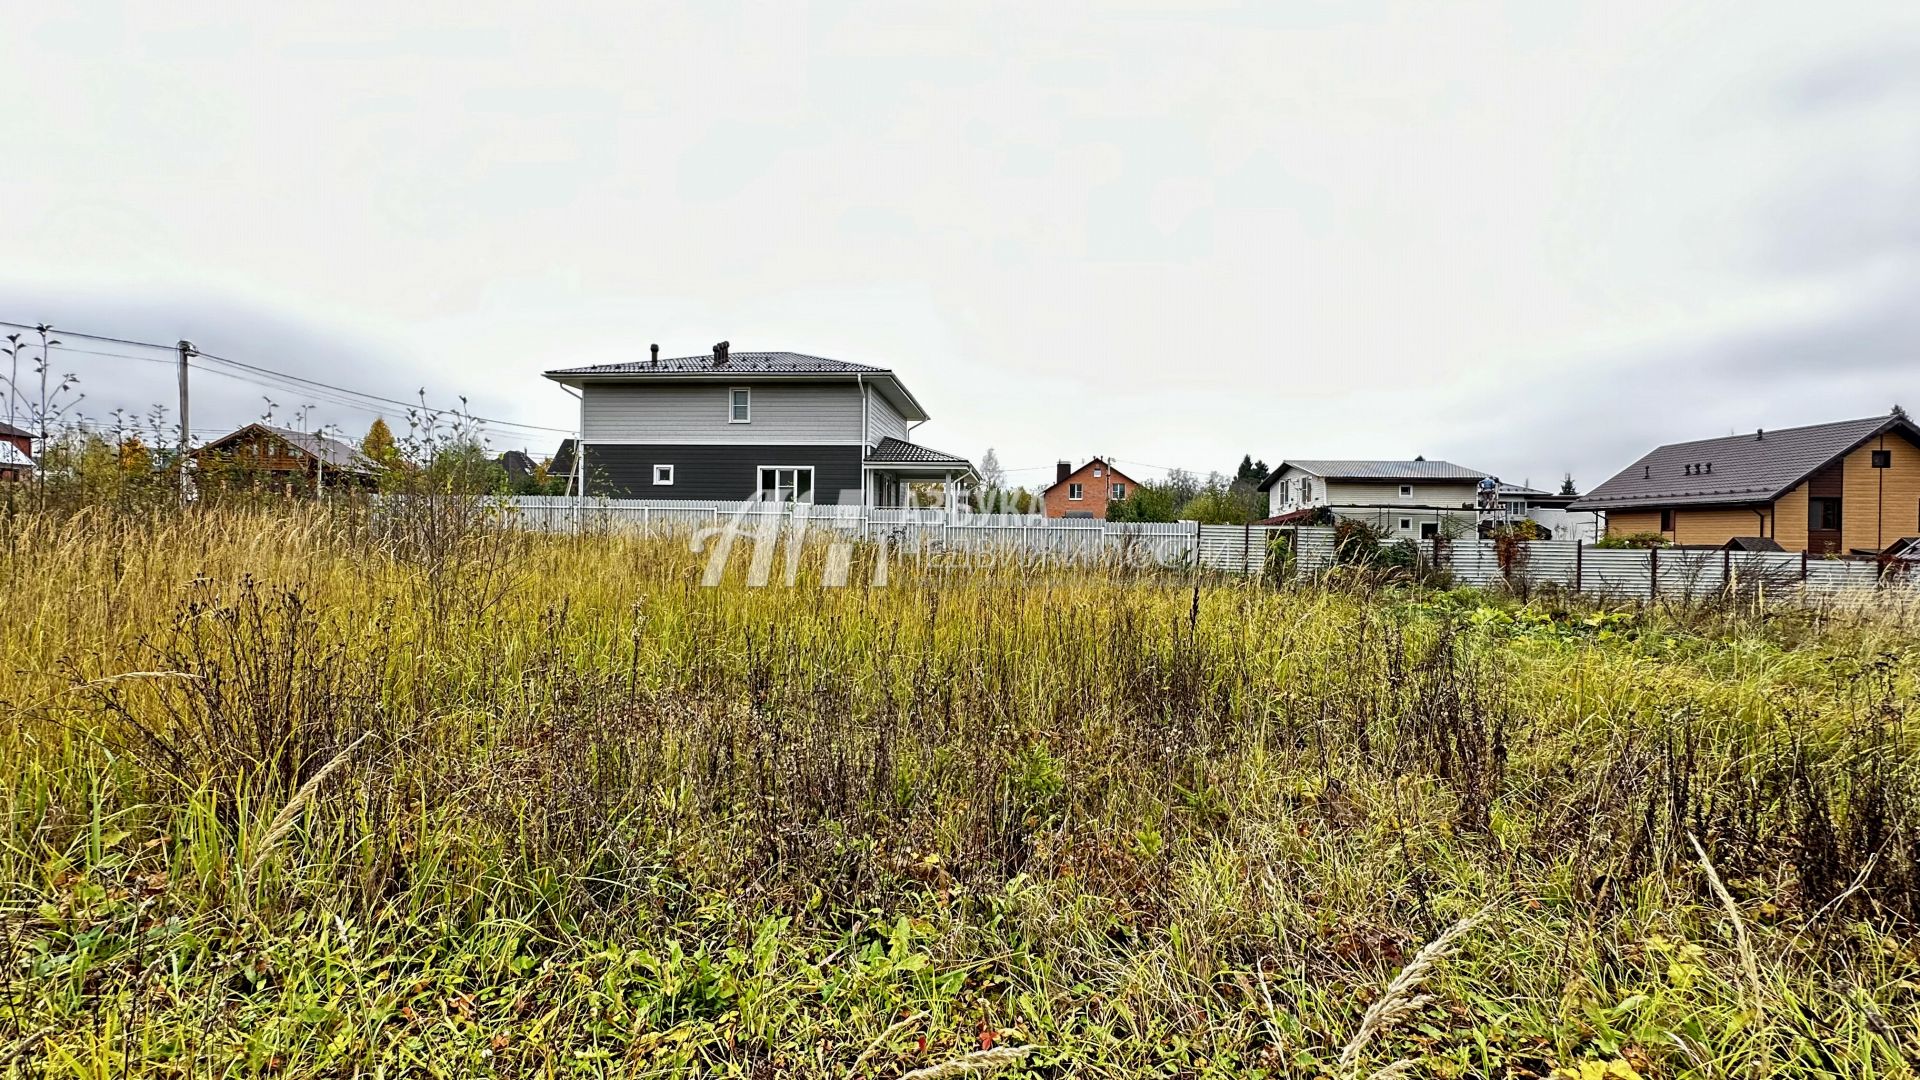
point(344, 396)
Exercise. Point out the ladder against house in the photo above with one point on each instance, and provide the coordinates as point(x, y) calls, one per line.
point(1490, 511)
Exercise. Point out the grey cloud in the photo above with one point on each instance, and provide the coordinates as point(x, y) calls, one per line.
point(137, 380)
point(1859, 79)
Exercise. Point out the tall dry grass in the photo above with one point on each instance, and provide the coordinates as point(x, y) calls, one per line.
point(302, 791)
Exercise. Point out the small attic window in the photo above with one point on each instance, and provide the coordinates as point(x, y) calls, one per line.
point(1883, 459)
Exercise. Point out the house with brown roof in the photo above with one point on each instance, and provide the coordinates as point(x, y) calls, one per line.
point(261, 454)
point(16, 452)
point(1085, 492)
point(1848, 487)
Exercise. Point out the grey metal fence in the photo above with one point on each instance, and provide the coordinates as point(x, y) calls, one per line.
point(1252, 550)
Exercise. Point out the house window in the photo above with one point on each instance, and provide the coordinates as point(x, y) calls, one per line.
point(663, 475)
point(1406, 524)
point(1096, 474)
point(1074, 492)
point(1883, 459)
point(786, 483)
point(1117, 492)
point(1823, 514)
point(1666, 521)
point(739, 405)
point(1406, 491)
point(1429, 530)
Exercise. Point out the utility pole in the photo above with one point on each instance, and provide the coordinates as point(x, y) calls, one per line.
point(186, 479)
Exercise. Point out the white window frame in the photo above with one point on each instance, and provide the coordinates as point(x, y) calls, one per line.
point(1116, 491)
point(733, 419)
point(1096, 474)
point(1406, 491)
point(1406, 524)
point(663, 476)
point(1075, 492)
point(773, 494)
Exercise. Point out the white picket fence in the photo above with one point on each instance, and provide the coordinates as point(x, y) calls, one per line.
point(1254, 550)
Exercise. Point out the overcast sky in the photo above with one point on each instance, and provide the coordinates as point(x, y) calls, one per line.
point(1530, 240)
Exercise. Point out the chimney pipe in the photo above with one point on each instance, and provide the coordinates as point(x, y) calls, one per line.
point(1760, 435)
point(720, 354)
point(655, 362)
point(1061, 471)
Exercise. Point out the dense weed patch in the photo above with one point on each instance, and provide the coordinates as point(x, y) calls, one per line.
point(303, 792)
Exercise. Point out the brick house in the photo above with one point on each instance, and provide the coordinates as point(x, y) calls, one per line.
point(1085, 492)
point(1849, 487)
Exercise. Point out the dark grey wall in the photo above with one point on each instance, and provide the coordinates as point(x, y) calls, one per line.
point(721, 473)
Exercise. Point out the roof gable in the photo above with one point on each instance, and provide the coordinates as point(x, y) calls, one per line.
point(1738, 469)
point(329, 451)
point(1080, 474)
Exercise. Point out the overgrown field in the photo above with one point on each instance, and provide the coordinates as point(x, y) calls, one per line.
point(296, 793)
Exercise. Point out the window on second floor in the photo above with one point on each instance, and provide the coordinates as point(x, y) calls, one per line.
point(1074, 492)
point(1406, 491)
point(739, 405)
point(1117, 492)
point(1823, 514)
point(1883, 459)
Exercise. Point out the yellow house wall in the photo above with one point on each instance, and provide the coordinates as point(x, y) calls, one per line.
point(1790, 519)
point(1713, 525)
point(1880, 506)
point(1628, 522)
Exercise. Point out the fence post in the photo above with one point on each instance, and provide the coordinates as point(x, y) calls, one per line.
point(1579, 553)
point(1726, 570)
point(1246, 549)
point(1803, 567)
point(1653, 573)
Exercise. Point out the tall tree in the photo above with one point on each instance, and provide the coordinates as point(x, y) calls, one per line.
point(379, 444)
point(992, 476)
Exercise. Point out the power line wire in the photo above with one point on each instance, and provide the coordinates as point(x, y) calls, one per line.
point(297, 379)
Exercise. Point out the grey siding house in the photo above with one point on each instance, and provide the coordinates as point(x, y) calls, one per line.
point(729, 426)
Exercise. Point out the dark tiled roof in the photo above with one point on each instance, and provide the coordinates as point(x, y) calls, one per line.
point(892, 451)
point(1735, 469)
point(517, 464)
point(562, 459)
point(1346, 469)
point(744, 363)
point(332, 452)
point(10, 431)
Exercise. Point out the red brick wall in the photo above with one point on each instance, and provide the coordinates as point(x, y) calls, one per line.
point(1094, 491)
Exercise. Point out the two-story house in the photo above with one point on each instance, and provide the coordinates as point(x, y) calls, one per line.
point(1416, 499)
point(1085, 492)
point(1847, 487)
point(729, 426)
